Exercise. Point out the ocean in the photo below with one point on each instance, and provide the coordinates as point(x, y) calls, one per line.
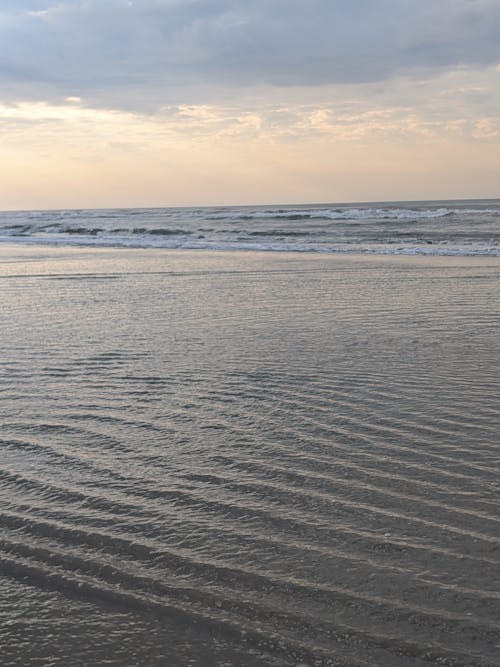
point(429, 228)
point(216, 455)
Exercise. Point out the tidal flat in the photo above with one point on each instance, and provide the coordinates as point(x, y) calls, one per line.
point(248, 458)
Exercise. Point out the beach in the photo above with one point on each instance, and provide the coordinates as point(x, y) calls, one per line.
point(248, 458)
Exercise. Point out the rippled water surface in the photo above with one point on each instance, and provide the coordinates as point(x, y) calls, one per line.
point(248, 459)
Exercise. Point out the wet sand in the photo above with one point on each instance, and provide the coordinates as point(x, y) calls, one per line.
point(218, 458)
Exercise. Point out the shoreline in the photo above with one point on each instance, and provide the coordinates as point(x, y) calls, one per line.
point(30, 250)
point(421, 250)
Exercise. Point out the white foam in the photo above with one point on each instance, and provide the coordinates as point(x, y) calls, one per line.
point(444, 229)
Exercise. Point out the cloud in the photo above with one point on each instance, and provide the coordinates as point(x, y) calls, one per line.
point(147, 53)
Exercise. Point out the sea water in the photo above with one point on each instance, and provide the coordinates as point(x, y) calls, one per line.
point(247, 458)
point(437, 228)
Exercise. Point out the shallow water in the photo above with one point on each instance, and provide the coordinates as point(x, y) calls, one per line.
point(248, 459)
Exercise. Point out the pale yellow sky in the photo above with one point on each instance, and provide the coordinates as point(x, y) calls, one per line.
point(70, 155)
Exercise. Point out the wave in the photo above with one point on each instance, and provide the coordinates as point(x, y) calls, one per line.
point(445, 228)
point(157, 232)
point(284, 242)
point(280, 232)
point(59, 229)
point(339, 214)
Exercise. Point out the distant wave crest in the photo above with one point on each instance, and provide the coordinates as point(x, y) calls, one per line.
point(338, 214)
point(443, 228)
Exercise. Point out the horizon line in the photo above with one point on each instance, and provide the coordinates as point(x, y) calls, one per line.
point(208, 206)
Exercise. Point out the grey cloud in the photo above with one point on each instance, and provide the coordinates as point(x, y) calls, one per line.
point(109, 50)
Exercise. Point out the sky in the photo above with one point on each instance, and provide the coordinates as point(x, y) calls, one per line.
point(204, 102)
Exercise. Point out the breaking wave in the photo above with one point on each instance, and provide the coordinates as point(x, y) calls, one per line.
point(437, 228)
